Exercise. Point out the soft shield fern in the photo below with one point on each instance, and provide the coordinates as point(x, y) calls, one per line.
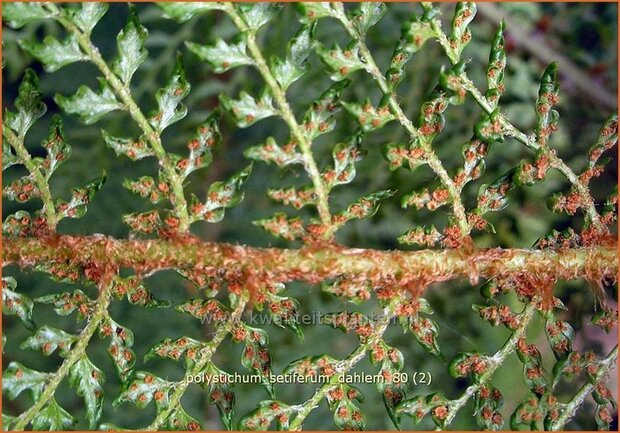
point(296, 229)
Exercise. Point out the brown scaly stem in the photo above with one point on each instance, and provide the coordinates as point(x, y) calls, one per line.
point(430, 156)
point(123, 92)
point(315, 264)
point(288, 116)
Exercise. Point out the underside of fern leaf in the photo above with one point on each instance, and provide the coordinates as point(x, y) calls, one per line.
point(308, 216)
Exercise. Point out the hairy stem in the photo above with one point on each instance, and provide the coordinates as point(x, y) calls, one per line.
point(124, 93)
point(495, 362)
point(575, 403)
point(316, 264)
point(204, 356)
point(431, 158)
point(76, 353)
point(343, 367)
point(287, 115)
point(17, 143)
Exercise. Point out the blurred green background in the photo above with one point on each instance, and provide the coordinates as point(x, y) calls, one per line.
point(586, 34)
